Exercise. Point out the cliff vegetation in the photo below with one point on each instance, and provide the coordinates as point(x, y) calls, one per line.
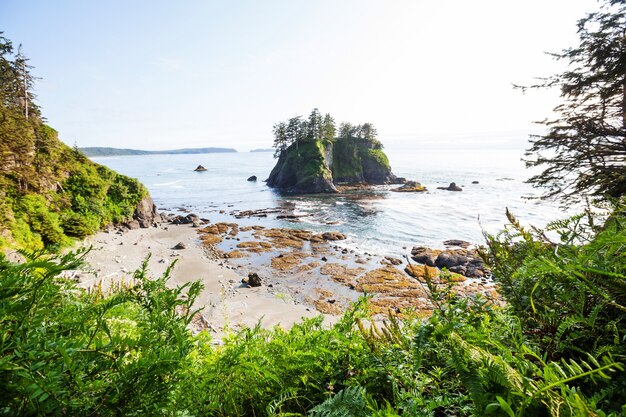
point(49, 192)
point(314, 157)
point(556, 349)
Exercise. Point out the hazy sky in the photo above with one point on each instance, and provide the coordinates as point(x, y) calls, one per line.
point(172, 74)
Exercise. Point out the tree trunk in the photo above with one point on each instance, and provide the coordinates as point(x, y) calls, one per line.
point(624, 103)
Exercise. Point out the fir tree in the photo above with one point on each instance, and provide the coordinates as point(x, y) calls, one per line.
point(584, 150)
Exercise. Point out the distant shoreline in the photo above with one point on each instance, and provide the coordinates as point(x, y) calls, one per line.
point(104, 151)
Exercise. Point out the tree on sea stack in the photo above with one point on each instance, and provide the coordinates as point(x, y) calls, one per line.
point(281, 141)
point(584, 150)
point(328, 128)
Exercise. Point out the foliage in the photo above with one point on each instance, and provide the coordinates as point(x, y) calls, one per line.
point(49, 192)
point(296, 131)
point(583, 152)
point(556, 349)
point(569, 294)
point(64, 350)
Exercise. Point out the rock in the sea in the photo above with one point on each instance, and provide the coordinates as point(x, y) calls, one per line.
point(253, 280)
point(333, 236)
point(200, 168)
point(393, 261)
point(456, 242)
point(475, 182)
point(318, 166)
point(179, 246)
point(450, 259)
point(410, 187)
point(252, 178)
point(460, 261)
point(425, 255)
point(451, 187)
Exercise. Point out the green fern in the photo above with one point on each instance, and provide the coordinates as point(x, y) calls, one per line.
point(349, 402)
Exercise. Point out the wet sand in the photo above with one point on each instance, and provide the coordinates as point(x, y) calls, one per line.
point(228, 305)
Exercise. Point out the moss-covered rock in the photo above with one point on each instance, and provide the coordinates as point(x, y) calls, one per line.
point(317, 166)
point(304, 168)
point(50, 192)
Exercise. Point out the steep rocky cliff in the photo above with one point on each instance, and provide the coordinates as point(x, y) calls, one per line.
point(304, 168)
point(50, 192)
point(318, 166)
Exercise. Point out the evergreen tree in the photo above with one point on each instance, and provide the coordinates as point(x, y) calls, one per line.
point(294, 130)
point(24, 84)
point(280, 138)
point(314, 126)
point(328, 127)
point(16, 103)
point(347, 130)
point(584, 150)
point(369, 132)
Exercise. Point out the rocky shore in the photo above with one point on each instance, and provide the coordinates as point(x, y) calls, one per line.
point(228, 304)
point(253, 273)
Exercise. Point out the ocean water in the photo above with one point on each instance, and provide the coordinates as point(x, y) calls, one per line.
point(378, 221)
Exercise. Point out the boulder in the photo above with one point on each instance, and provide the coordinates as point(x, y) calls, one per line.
point(456, 242)
point(410, 187)
point(475, 182)
point(451, 187)
point(252, 178)
point(393, 261)
point(191, 218)
point(179, 246)
point(459, 261)
point(131, 224)
point(146, 213)
point(476, 269)
point(200, 168)
point(450, 260)
point(254, 280)
point(333, 236)
point(423, 255)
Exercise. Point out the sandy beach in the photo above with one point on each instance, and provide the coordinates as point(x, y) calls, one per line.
point(228, 305)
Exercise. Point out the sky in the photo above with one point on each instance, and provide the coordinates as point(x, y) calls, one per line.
point(202, 73)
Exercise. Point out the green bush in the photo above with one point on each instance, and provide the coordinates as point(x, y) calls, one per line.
point(555, 349)
point(34, 210)
point(74, 352)
point(53, 191)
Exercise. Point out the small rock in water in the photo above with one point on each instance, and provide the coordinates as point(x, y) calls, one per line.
point(393, 261)
point(200, 168)
point(325, 259)
point(180, 245)
point(451, 187)
point(456, 242)
point(252, 178)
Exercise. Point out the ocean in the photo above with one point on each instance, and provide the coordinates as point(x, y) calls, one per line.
point(379, 221)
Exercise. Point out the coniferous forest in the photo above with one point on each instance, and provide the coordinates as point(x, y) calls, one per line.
point(555, 347)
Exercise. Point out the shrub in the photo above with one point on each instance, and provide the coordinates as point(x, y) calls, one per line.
point(68, 351)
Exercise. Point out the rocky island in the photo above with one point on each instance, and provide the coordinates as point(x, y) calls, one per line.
point(313, 157)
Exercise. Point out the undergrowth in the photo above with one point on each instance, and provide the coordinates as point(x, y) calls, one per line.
point(556, 349)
